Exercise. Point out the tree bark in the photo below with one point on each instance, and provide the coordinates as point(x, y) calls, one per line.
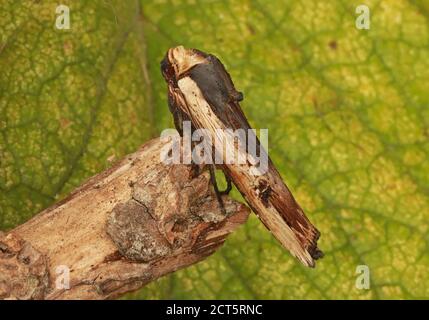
point(123, 228)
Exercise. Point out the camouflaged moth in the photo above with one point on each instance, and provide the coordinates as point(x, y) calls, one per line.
point(201, 91)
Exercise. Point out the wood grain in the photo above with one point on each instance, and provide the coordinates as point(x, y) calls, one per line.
point(123, 228)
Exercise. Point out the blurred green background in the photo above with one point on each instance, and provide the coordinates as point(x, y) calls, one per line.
point(347, 112)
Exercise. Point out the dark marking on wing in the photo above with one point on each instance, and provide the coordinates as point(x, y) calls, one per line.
point(264, 192)
point(218, 89)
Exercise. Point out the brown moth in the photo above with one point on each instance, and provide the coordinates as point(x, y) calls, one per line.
point(201, 91)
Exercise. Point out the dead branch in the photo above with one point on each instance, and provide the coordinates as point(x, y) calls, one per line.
point(123, 228)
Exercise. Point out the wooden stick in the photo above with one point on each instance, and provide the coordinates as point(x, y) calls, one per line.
point(123, 228)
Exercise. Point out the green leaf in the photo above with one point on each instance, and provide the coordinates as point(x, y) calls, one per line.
point(347, 112)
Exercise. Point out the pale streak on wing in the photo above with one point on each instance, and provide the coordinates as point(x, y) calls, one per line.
point(202, 116)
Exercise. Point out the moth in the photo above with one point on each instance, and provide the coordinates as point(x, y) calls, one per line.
point(201, 91)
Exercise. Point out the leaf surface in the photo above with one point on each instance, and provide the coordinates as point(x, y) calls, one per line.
point(347, 113)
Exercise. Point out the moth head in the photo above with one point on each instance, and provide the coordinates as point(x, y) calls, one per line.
point(179, 60)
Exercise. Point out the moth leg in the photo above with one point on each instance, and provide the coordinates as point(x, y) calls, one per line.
point(178, 115)
point(178, 123)
point(178, 120)
point(228, 185)
point(196, 170)
point(212, 170)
